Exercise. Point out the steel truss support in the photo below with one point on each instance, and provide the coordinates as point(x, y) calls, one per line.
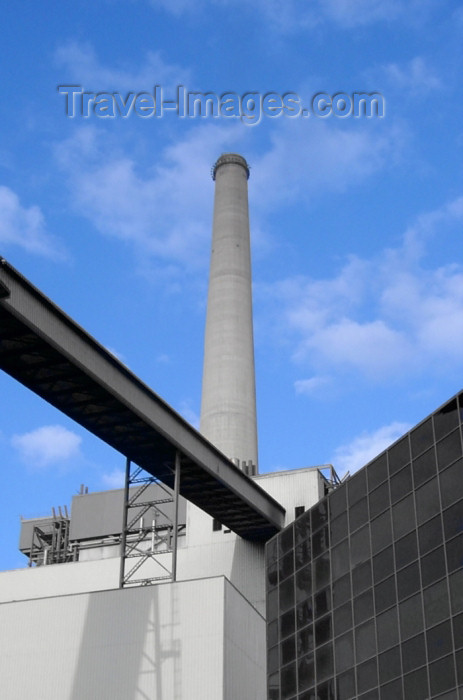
point(150, 528)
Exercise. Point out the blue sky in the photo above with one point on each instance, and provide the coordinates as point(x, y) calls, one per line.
point(356, 223)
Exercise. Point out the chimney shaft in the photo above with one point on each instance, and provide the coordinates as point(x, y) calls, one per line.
point(228, 407)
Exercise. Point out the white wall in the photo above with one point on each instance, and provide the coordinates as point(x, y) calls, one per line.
point(164, 642)
point(59, 579)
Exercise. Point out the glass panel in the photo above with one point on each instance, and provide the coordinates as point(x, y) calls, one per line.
point(454, 550)
point(387, 629)
point(287, 624)
point(379, 500)
point(361, 577)
point(358, 514)
point(411, 616)
point(401, 484)
point(398, 455)
point(273, 659)
point(403, 516)
point(458, 631)
point(288, 650)
point(389, 665)
point(341, 590)
point(413, 653)
point(303, 583)
point(453, 520)
point(424, 467)
point(286, 540)
point(303, 554)
point(436, 603)
point(383, 564)
point(360, 546)
point(433, 567)
point(385, 594)
point(340, 559)
point(422, 437)
point(302, 531)
point(459, 660)
point(439, 640)
point(271, 550)
point(306, 674)
point(272, 633)
point(322, 602)
point(448, 449)
point(343, 618)
point(323, 630)
point(392, 690)
point(430, 535)
point(338, 528)
point(286, 565)
point(346, 686)
point(304, 613)
point(274, 687)
point(357, 487)
point(320, 541)
point(446, 419)
point(406, 550)
point(324, 662)
point(381, 532)
point(288, 681)
point(322, 571)
point(456, 591)
point(427, 501)
point(337, 501)
point(367, 676)
point(305, 641)
point(442, 675)
point(319, 515)
point(416, 685)
point(377, 472)
point(287, 594)
point(344, 652)
point(363, 606)
point(365, 642)
point(408, 581)
point(272, 576)
point(451, 483)
point(325, 691)
point(272, 605)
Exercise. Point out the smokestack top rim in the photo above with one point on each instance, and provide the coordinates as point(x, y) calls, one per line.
point(230, 158)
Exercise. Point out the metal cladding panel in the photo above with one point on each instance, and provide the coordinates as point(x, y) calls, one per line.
point(100, 514)
point(164, 642)
point(59, 579)
point(245, 652)
point(27, 528)
point(50, 354)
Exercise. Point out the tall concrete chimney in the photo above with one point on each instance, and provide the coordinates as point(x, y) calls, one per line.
point(228, 406)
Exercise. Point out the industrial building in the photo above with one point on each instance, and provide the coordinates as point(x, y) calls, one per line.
point(203, 579)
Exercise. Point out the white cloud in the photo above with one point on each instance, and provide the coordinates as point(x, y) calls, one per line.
point(390, 315)
point(294, 15)
point(153, 211)
point(314, 385)
point(25, 226)
point(338, 157)
point(114, 479)
point(365, 447)
point(82, 66)
point(50, 444)
point(417, 76)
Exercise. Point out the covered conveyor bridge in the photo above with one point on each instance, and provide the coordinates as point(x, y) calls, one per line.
point(50, 354)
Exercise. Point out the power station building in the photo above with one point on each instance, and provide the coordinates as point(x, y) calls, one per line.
point(203, 579)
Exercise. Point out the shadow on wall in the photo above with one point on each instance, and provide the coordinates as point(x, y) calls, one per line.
point(129, 650)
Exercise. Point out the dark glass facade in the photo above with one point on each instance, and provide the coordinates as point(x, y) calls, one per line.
point(365, 590)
